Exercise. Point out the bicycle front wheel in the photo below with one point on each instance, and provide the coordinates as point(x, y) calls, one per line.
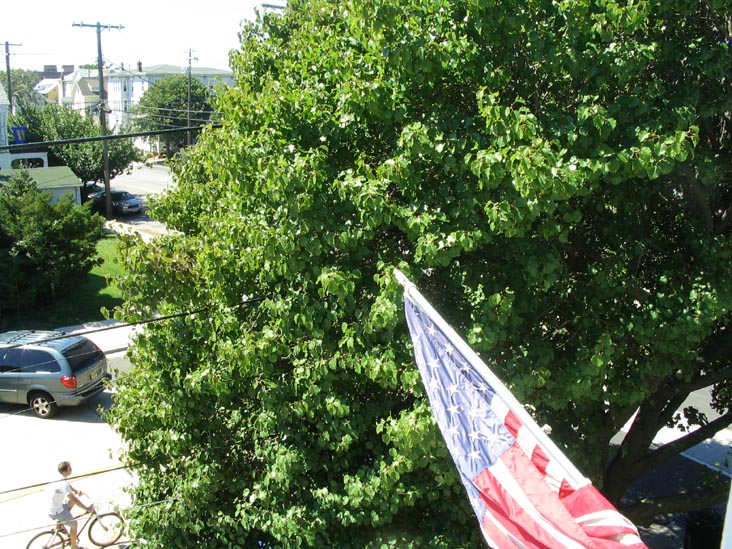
point(47, 540)
point(106, 529)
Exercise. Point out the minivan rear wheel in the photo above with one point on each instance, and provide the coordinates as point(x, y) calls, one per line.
point(42, 405)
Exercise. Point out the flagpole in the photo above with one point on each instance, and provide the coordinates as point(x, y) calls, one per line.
point(727, 531)
point(411, 291)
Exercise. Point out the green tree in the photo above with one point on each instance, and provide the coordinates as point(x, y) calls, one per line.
point(44, 247)
point(22, 81)
point(554, 178)
point(167, 104)
point(55, 122)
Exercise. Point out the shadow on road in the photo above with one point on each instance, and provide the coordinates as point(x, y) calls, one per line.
point(89, 412)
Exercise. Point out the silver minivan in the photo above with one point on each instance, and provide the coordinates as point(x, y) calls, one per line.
point(47, 369)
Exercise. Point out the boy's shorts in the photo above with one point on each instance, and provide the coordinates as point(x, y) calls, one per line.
point(65, 516)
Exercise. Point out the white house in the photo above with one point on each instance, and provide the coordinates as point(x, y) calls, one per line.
point(78, 89)
point(81, 91)
point(125, 87)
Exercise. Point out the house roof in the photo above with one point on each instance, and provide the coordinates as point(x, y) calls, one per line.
point(46, 178)
point(164, 70)
point(85, 87)
point(47, 85)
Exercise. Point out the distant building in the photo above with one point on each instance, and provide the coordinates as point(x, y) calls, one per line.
point(74, 88)
point(125, 87)
point(57, 181)
point(51, 71)
point(79, 89)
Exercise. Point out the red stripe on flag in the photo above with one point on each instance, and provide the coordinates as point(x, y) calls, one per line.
point(587, 500)
point(539, 459)
point(496, 537)
point(512, 514)
point(599, 518)
point(513, 424)
point(566, 489)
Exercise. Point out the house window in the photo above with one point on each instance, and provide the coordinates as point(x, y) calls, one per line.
point(26, 163)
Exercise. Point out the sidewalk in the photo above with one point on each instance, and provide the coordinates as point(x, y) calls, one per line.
point(111, 336)
point(677, 475)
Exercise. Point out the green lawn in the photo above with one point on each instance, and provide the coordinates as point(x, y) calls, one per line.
point(81, 303)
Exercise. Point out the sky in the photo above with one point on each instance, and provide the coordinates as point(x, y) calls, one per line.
point(155, 32)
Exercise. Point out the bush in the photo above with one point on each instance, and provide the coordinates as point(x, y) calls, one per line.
point(44, 247)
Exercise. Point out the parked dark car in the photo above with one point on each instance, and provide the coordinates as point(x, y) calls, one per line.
point(89, 189)
point(45, 370)
point(123, 202)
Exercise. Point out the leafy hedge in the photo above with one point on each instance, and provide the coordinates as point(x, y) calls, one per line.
point(44, 247)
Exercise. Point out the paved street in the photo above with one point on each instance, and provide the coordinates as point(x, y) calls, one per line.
point(33, 447)
point(144, 179)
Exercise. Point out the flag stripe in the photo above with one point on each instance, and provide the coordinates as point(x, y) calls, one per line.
point(516, 492)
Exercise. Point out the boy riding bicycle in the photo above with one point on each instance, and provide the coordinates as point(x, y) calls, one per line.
point(63, 499)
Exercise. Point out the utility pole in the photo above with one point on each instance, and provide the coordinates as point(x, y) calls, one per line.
point(103, 110)
point(188, 121)
point(7, 72)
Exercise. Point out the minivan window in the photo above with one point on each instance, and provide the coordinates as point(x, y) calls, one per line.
point(33, 361)
point(9, 356)
point(83, 354)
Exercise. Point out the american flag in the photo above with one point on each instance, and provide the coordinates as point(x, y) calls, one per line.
point(524, 490)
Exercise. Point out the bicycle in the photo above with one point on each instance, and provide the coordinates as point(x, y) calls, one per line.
point(104, 530)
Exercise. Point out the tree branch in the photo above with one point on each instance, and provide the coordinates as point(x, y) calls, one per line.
point(675, 389)
point(627, 464)
point(667, 451)
point(633, 458)
point(644, 511)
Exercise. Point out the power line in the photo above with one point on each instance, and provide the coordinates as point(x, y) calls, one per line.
point(143, 107)
point(228, 442)
point(41, 144)
point(53, 525)
point(168, 118)
point(103, 329)
point(47, 483)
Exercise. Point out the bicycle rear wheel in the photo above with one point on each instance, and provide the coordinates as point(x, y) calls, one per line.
point(49, 539)
point(106, 529)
